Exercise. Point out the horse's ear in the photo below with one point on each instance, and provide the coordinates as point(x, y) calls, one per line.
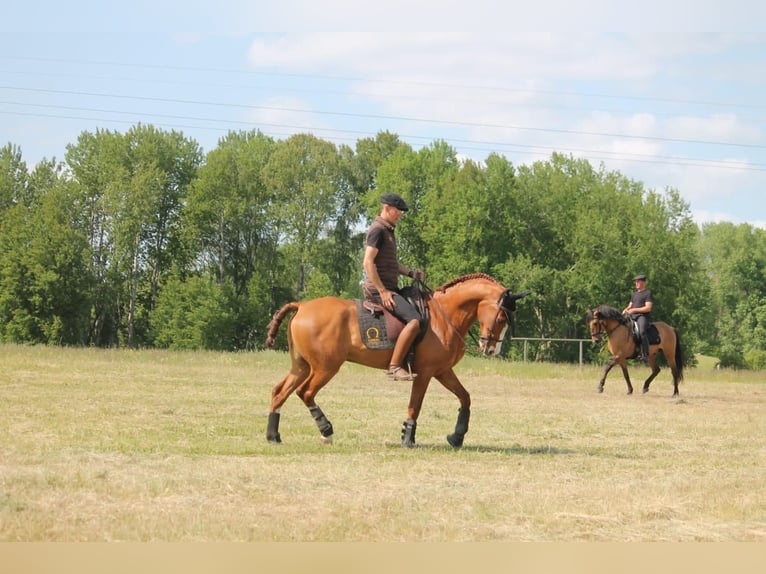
point(508, 299)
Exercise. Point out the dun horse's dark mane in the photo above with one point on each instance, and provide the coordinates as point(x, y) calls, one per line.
point(467, 278)
point(607, 312)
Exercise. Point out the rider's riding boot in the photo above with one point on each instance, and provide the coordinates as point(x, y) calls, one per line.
point(396, 370)
point(644, 349)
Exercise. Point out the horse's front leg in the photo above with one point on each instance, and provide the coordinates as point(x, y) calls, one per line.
point(611, 363)
point(451, 382)
point(418, 392)
point(653, 375)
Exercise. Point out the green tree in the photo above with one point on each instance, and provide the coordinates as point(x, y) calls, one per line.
point(581, 234)
point(734, 261)
point(228, 219)
point(304, 173)
point(45, 283)
point(133, 186)
point(195, 313)
point(230, 230)
point(91, 160)
point(13, 177)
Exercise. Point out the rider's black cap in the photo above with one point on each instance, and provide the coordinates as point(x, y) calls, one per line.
point(394, 200)
point(639, 278)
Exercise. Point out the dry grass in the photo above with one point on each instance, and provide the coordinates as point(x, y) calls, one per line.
point(160, 446)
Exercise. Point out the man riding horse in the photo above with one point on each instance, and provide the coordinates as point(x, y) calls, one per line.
point(640, 308)
point(381, 284)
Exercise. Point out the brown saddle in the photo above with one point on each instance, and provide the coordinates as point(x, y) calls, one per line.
point(378, 326)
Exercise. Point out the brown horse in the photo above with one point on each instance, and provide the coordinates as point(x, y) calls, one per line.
point(324, 333)
point(622, 345)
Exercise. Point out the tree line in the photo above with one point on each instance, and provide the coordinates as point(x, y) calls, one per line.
point(140, 239)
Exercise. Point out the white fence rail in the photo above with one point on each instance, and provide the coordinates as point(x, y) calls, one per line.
point(526, 341)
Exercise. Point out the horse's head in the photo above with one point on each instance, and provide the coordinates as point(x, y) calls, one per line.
point(494, 319)
point(595, 324)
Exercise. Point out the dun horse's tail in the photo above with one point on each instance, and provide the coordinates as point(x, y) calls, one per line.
point(680, 359)
point(276, 322)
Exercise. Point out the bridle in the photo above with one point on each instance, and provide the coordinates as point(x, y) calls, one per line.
point(601, 329)
point(506, 305)
point(487, 342)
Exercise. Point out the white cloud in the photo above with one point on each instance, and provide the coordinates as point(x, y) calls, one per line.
point(528, 94)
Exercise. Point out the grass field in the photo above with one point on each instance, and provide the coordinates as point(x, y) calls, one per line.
point(117, 445)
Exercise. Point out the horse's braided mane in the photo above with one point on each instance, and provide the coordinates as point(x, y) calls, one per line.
point(467, 278)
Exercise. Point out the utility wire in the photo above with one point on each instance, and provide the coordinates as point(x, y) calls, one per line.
point(382, 117)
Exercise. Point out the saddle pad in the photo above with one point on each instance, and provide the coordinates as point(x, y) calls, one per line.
point(373, 328)
point(653, 334)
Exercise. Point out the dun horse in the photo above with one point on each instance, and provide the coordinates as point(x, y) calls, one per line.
point(324, 333)
point(620, 341)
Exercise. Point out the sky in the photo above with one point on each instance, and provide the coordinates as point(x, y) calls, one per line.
point(645, 89)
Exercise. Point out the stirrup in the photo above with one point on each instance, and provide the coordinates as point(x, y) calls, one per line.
point(400, 374)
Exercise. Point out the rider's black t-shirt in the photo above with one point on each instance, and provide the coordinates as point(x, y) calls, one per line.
point(639, 299)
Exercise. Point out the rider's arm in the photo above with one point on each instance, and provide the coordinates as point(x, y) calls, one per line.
point(412, 273)
point(647, 308)
point(370, 253)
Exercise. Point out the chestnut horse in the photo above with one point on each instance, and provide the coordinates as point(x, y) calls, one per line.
point(619, 332)
point(324, 333)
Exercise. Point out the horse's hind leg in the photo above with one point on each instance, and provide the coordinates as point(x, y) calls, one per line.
point(279, 394)
point(676, 369)
point(676, 377)
point(307, 392)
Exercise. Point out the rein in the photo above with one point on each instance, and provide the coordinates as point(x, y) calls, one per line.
point(603, 329)
point(444, 315)
point(489, 338)
point(506, 304)
point(486, 339)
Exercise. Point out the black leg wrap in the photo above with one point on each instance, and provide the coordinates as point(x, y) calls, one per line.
point(324, 426)
point(408, 433)
point(272, 429)
point(461, 427)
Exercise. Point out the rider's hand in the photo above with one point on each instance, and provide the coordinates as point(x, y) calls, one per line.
point(418, 275)
point(387, 298)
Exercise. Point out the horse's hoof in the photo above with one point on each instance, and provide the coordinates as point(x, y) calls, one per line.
point(645, 390)
point(630, 391)
point(326, 439)
point(600, 389)
point(274, 440)
point(455, 441)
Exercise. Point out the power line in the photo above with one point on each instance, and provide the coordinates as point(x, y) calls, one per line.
point(615, 155)
point(412, 96)
point(502, 89)
point(603, 155)
point(384, 117)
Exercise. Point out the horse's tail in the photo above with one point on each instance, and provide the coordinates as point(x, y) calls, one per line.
point(276, 322)
point(680, 359)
